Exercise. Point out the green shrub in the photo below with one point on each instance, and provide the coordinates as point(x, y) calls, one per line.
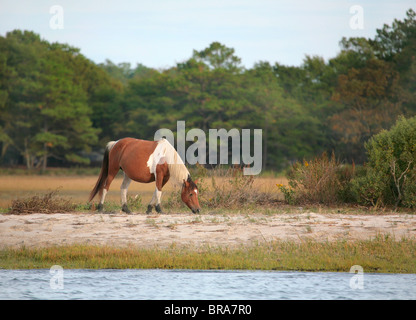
point(390, 177)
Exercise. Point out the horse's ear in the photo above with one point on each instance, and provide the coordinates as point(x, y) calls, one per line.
point(185, 183)
point(196, 181)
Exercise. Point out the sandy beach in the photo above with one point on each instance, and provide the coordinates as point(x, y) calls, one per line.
point(117, 229)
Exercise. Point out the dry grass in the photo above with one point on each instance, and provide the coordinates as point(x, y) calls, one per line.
point(232, 189)
point(47, 203)
point(229, 188)
point(323, 180)
point(77, 188)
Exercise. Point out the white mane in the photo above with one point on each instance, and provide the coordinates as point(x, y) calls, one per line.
point(165, 152)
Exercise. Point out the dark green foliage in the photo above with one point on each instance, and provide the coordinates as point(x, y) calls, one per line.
point(46, 112)
point(387, 179)
point(391, 170)
point(56, 105)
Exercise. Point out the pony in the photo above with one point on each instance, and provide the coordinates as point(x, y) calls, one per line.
point(145, 161)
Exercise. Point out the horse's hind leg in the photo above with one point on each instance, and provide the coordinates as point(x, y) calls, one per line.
point(103, 193)
point(124, 186)
point(111, 174)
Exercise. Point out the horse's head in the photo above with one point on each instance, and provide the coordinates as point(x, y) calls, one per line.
point(190, 195)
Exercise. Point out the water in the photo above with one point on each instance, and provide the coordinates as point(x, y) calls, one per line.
point(195, 285)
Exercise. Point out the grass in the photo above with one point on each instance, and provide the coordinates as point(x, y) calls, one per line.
point(381, 254)
point(214, 191)
point(26, 194)
point(229, 188)
point(75, 188)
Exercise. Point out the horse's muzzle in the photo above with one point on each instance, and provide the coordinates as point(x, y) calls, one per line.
point(195, 210)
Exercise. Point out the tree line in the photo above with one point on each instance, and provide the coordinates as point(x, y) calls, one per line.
point(57, 106)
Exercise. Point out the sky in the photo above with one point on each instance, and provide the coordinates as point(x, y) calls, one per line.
point(161, 33)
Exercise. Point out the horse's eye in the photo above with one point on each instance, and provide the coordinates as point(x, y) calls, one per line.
point(190, 194)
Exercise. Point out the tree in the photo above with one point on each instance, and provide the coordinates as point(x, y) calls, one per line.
point(46, 112)
point(397, 42)
point(284, 121)
point(55, 104)
point(65, 127)
point(369, 99)
point(146, 106)
point(218, 56)
point(207, 87)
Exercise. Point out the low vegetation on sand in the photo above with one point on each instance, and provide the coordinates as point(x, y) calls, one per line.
point(223, 189)
point(381, 254)
point(388, 179)
point(50, 202)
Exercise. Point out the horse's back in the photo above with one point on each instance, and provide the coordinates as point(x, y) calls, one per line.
point(131, 155)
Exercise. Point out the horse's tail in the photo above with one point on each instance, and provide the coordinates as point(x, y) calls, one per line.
point(102, 178)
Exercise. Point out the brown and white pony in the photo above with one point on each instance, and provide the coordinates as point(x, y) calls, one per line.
point(145, 161)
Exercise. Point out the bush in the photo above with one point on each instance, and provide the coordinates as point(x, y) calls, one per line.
point(390, 177)
point(321, 180)
point(47, 203)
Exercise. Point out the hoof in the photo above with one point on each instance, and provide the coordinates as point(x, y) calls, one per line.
point(125, 209)
point(149, 209)
point(158, 209)
point(100, 207)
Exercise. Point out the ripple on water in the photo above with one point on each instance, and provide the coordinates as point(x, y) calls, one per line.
point(200, 284)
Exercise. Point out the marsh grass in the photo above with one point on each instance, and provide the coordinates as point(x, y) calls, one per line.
point(381, 254)
point(248, 191)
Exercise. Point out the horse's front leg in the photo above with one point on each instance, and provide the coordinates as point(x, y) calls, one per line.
point(161, 177)
point(157, 195)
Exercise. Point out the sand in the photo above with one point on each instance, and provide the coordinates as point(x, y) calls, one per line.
point(38, 230)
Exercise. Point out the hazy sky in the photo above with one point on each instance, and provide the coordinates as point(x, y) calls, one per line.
point(160, 33)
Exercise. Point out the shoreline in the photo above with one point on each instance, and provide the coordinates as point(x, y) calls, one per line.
point(305, 241)
point(228, 230)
